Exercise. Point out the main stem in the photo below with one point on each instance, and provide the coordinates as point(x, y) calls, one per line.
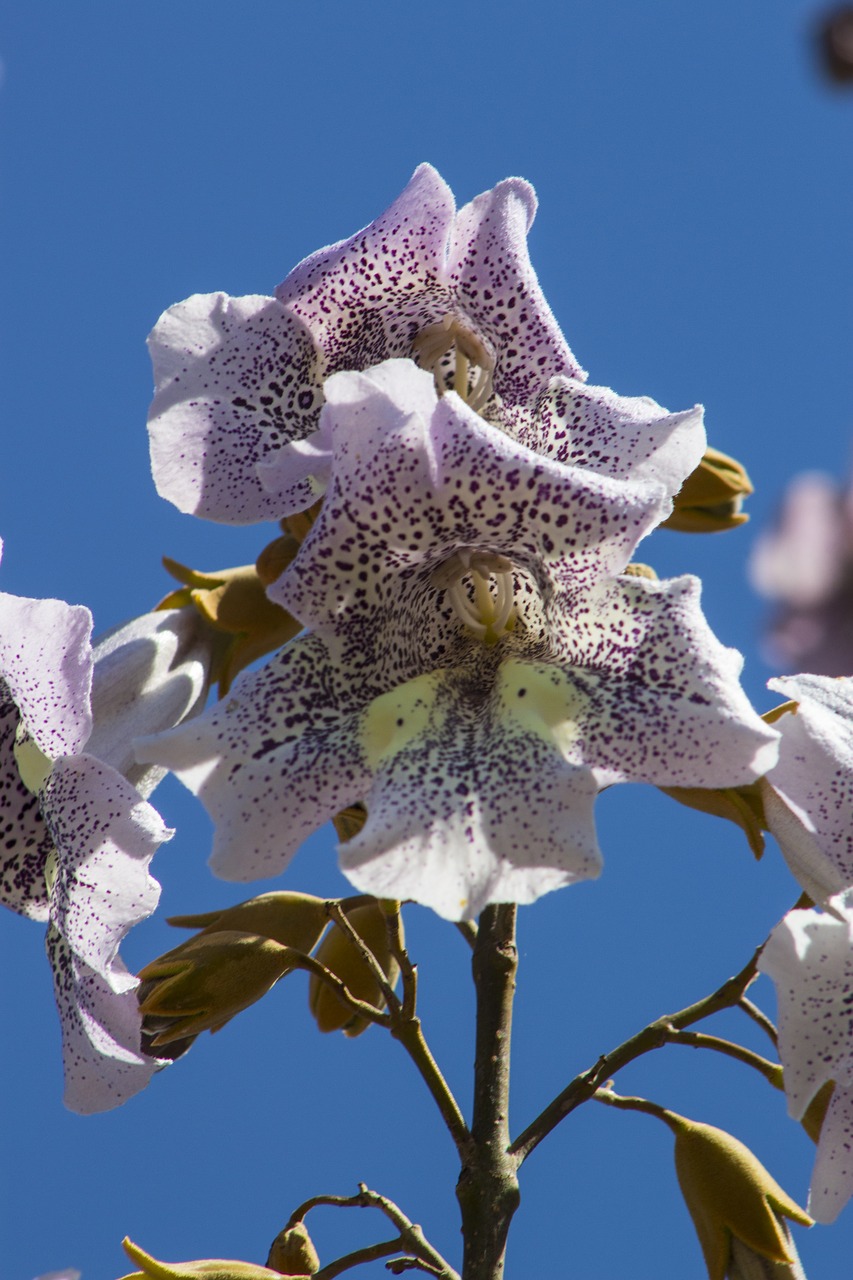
point(488, 1184)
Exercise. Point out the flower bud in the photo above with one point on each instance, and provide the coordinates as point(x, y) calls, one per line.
point(292, 1253)
point(341, 957)
point(211, 1268)
point(235, 603)
point(294, 920)
point(737, 1208)
point(202, 984)
point(710, 499)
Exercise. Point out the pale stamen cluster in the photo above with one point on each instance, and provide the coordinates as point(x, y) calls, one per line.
point(481, 588)
point(473, 378)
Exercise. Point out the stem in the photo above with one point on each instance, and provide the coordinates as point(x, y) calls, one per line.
point(771, 1071)
point(611, 1099)
point(408, 1031)
point(487, 1189)
point(758, 1016)
point(654, 1036)
point(357, 1258)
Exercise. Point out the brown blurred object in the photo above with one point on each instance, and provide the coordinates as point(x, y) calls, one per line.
point(835, 39)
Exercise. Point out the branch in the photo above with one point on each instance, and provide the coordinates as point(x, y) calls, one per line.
point(771, 1071)
point(370, 1253)
point(341, 990)
point(339, 916)
point(758, 1016)
point(654, 1036)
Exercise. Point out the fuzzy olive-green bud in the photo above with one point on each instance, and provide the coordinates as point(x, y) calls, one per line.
point(202, 984)
point(210, 1268)
point(341, 957)
point(710, 499)
point(731, 1195)
point(292, 1253)
point(293, 919)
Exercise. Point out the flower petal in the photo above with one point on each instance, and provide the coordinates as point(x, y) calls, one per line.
point(659, 696)
point(100, 1033)
point(236, 379)
point(46, 662)
point(24, 838)
point(496, 285)
point(105, 837)
point(832, 1178)
point(472, 802)
point(271, 762)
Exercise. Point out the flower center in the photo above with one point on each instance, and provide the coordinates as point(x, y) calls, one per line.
point(480, 587)
point(474, 365)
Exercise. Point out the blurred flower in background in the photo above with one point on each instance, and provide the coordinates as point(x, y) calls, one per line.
point(835, 42)
point(805, 565)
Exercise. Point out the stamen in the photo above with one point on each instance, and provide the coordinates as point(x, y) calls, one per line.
point(489, 612)
point(474, 369)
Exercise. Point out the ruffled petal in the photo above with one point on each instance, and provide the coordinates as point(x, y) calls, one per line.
point(814, 777)
point(659, 699)
point(472, 801)
point(274, 760)
point(105, 837)
point(236, 380)
point(627, 437)
point(46, 663)
point(494, 281)
point(101, 1028)
point(366, 298)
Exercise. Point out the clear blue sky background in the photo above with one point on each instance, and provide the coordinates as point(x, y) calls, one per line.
point(694, 239)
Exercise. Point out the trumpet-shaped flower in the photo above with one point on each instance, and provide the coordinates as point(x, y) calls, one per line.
point(477, 672)
point(809, 956)
point(808, 795)
point(78, 836)
point(238, 379)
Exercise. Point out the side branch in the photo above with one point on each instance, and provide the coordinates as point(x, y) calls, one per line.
point(654, 1036)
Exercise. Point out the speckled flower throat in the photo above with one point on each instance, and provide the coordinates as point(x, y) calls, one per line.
point(480, 587)
point(458, 360)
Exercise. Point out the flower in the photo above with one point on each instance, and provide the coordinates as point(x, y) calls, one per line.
point(808, 795)
point(805, 565)
point(809, 956)
point(78, 836)
point(237, 379)
point(477, 669)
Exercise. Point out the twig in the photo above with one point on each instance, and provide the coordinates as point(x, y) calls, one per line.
point(339, 916)
point(759, 1016)
point(341, 990)
point(370, 1253)
point(611, 1099)
point(654, 1036)
point(469, 932)
point(771, 1071)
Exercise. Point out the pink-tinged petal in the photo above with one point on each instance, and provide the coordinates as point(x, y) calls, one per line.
point(410, 490)
point(366, 298)
point(24, 840)
point(809, 956)
point(472, 801)
point(46, 662)
point(101, 1028)
point(627, 437)
point(814, 778)
point(802, 560)
point(105, 836)
point(492, 276)
point(236, 380)
point(273, 761)
point(832, 1179)
point(150, 674)
point(659, 699)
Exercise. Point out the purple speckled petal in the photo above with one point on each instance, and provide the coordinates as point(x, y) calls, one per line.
point(659, 699)
point(814, 778)
point(472, 802)
point(236, 380)
point(274, 760)
point(626, 437)
point(46, 662)
point(409, 490)
point(105, 837)
point(809, 956)
point(492, 276)
point(101, 1025)
point(24, 840)
point(366, 298)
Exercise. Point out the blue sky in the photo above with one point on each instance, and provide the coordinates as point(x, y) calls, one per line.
point(694, 240)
